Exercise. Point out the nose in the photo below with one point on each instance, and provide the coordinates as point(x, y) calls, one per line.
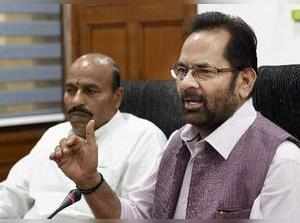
point(78, 98)
point(188, 81)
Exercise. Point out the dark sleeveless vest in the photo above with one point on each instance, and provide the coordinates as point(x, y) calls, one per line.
point(219, 188)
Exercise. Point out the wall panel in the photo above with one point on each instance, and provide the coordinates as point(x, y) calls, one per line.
point(150, 40)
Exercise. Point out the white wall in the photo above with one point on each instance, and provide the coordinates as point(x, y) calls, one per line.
point(277, 33)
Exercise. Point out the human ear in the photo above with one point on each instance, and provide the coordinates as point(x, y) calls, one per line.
point(246, 81)
point(118, 96)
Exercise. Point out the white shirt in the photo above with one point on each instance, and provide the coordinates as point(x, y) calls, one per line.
point(280, 195)
point(35, 187)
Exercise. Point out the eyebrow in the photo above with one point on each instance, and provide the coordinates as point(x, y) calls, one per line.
point(204, 65)
point(68, 84)
point(200, 65)
point(90, 85)
point(82, 85)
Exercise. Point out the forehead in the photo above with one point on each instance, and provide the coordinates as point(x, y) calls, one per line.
point(205, 47)
point(85, 72)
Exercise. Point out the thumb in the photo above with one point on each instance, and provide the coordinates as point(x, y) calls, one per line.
point(90, 133)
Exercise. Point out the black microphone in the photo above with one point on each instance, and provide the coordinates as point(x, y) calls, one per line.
point(72, 197)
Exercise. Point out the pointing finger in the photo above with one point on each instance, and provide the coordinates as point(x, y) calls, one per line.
point(90, 133)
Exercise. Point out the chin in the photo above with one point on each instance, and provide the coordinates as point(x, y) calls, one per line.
point(195, 119)
point(80, 133)
point(79, 130)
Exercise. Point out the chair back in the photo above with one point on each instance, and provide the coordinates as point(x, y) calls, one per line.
point(277, 96)
point(155, 100)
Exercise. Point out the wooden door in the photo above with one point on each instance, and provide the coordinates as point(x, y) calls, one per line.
point(143, 36)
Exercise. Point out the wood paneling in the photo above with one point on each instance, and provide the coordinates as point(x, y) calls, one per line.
point(117, 34)
point(15, 142)
point(144, 37)
point(165, 37)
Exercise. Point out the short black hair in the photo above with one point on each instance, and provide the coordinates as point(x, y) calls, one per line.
point(241, 48)
point(116, 76)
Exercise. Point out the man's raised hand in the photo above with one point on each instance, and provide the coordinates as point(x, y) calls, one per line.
point(78, 157)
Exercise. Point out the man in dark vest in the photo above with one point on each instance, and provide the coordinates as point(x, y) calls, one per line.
point(228, 161)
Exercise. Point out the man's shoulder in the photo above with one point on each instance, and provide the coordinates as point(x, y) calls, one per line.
point(288, 151)
point(59, 129)
point(267, 127)
point(50, 139)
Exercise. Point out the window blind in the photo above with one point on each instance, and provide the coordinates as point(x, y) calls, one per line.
point(31, 62)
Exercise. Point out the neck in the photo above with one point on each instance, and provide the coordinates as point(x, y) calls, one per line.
point(209, 128)
point(204, 132)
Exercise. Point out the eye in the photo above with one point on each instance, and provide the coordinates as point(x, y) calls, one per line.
point(181, 70)
point(70, 90)
point(203, 73)
point(91, 91)
point(203, 70)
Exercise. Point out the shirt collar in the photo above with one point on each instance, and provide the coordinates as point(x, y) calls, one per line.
point(112, 124)
point(226, 136)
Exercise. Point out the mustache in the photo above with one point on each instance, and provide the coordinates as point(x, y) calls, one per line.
point(79, 109)
point(192, 95)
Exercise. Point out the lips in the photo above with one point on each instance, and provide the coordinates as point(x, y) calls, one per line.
point(193, 102)
point(192, 105)
point(80, 113)
point(79, 116)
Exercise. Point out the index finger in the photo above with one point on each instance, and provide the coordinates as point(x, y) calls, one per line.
point(90, 133)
